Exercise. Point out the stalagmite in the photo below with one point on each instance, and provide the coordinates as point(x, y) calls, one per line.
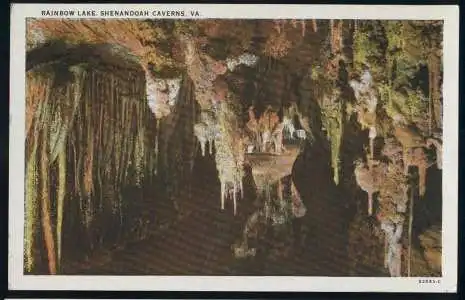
point(393, 234)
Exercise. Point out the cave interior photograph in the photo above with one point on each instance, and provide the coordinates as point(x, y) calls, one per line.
point(233, 147)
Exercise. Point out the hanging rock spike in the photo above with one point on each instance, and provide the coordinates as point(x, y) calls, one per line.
point(242, 188)
point(223, 191)
point(235, 198)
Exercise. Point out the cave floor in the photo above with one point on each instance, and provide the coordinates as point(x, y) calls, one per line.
point(199, 243)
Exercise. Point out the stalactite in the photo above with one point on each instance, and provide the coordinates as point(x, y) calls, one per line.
point(332, 34)
point(100, 153)
point(370, 178)
point(336, 35)
point(372, 136)
point(333, 123)
point(302, 27)
point(157, 136)
point(120, 140)
point(46, 206)
point(430, 100)
point(56, 125)
point(32, 205)
point(140, 150)
point(340, 36)
point(223, 192)
point(89, 152)
point(235, 197)
point(38, 90)
point(87, 155)
point(417, 157)
point(117, 140)
point(386, 249)
point(241, 187)
point(435, 106)
point(102, 93)
point(410, 227)
point(422, 179)
point(35, 91)
point(86, 123)
point(62, 164)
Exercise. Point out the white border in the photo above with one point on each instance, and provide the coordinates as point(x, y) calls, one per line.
point(18, 281)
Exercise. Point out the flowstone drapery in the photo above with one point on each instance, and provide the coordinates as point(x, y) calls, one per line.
point(332, 106)
point(161, 94)
point(229, 155)
point(367, 101)
point(219, 123)
point(404, 146)
point(106, 152)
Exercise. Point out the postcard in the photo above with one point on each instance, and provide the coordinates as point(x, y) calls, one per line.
point(214, 147)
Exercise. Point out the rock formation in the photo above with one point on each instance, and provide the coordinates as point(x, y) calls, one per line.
point(150, 94)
